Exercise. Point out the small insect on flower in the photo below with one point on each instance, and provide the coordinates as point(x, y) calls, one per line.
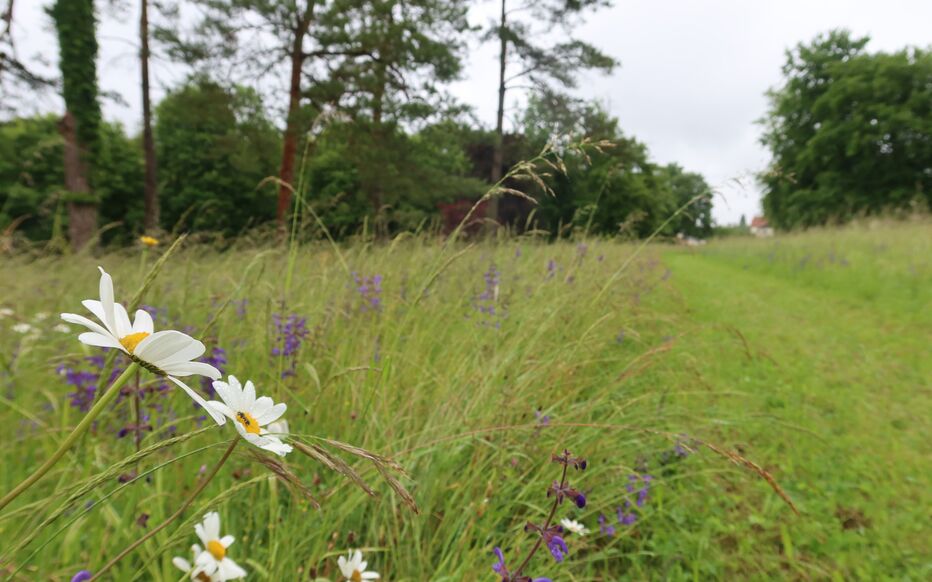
point(212, 561)
point(250, 414)
point(573, 526)
point(165, 353)
point(353, 567)
point(149, 241)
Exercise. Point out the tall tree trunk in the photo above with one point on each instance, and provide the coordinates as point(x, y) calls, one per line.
point(498, 154)
point(151, 195)
point(290, 143)
point(82, 215)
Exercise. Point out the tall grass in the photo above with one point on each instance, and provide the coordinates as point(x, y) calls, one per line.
point(433, 379)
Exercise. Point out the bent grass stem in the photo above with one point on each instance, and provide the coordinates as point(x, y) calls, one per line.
point(69, 441)
point(187, 503)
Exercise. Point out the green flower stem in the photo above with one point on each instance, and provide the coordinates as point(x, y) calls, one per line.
point(78, 431)
point(187, 503)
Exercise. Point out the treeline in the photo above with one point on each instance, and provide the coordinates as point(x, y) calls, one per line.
point(366, 135)
point(850, 133)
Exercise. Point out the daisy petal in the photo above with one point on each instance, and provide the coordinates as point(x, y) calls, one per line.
point(189, 369)
point(97, 308)
point(123, 326)
point(230, 570)
point(218, 417)
point(98, 340)
point(143, 322)
point(182, 564)
point(263, 404)
point(81, 320)
point(227, 541)
point(272, 414)
point(162, 345)
point(106, 299)
point(222, 409)
point(212, 525)
point(249, 394)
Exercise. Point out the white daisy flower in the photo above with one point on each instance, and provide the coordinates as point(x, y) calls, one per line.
point(186, 567)
point(5, 312)
point(354, 569)
point(22, 328)
point(41, 316)
point(213, 560)
point(573, 526)
point(165, 353)
point(62, 328)
point(250, 414)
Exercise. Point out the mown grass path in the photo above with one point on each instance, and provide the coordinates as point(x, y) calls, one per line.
point(836, 404)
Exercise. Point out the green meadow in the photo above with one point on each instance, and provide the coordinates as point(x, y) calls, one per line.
point(731, 374)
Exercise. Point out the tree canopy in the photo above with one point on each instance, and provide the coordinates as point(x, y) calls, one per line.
point(850, 132)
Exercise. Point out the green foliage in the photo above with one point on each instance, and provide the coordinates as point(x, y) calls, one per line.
point(75, 23)
point(215, 146)
point(32, 178)
point(690, 190)
point(850, 132)
point(619, 191)
point(362, 174)
point(389, 58)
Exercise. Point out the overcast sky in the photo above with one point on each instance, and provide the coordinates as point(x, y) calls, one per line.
point(691, 82)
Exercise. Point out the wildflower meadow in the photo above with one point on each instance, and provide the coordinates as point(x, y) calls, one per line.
point(497, 410)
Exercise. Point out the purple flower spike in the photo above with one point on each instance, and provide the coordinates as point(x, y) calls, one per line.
point(499, 567)
point(557, 547)
point(82, 576)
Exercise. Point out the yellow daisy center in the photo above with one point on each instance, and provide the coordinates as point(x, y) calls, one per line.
point(216, 550)
point(357, 576)
point(149, 241)
point(248, 421)
point(132, 340)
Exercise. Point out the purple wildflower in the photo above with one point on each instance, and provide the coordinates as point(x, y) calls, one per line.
point(606, 528)
point(291, 332)
point(487, 302)
point(551, 269)
point(642, 492)
point(542, 419)
point(563, 491)
point(557, 547)
point(499, 567)
point(82, 576)
point(369, 289)
point(581, 250)
point(624, 517)
point(502, 570)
